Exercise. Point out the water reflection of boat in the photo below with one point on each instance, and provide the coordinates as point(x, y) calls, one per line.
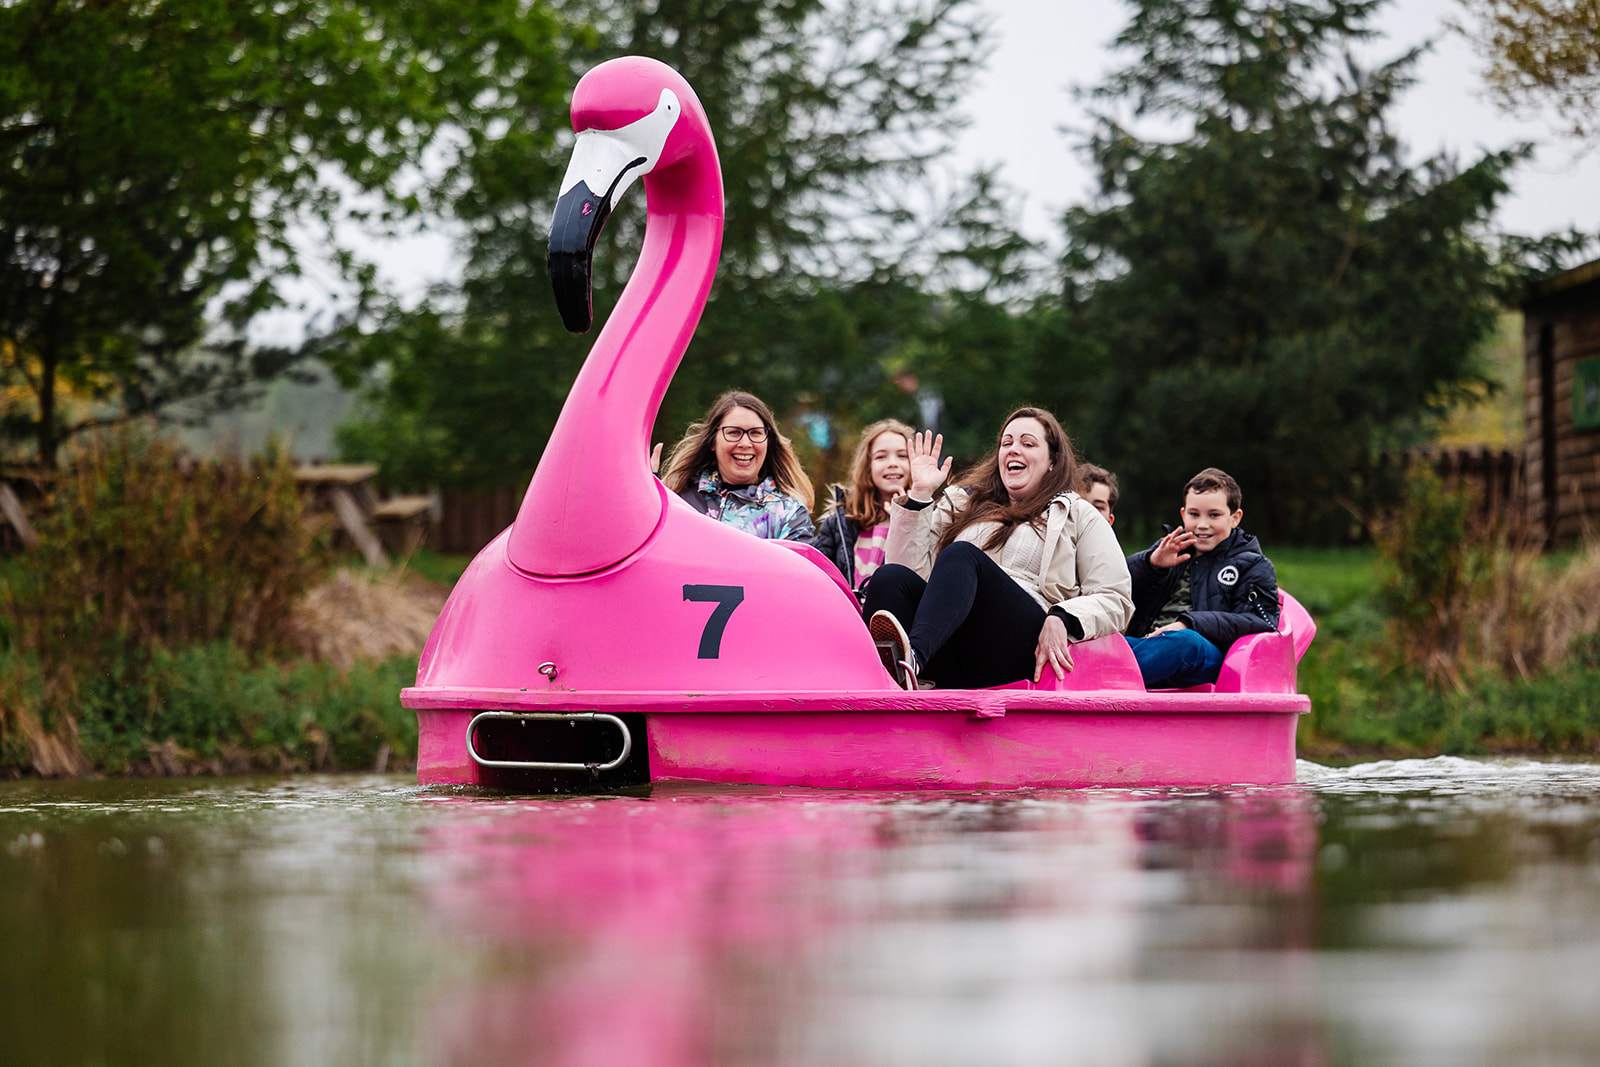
point(613, 636)
point(726, 926)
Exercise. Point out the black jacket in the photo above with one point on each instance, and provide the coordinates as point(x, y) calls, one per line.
point(1233, 591)
point(836, 538)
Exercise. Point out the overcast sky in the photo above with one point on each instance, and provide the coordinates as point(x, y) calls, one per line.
point(1043, 47)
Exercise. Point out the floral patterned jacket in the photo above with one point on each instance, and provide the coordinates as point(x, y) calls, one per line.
point(762, 509)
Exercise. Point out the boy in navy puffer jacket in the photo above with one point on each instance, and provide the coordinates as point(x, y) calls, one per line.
point(1190, 606)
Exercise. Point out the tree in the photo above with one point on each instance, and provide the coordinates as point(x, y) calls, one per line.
point(1542, 53)
point(1275, 289)
point(158, 156)
point(826, 117)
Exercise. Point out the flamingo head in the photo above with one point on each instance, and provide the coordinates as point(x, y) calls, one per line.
point(633, 116)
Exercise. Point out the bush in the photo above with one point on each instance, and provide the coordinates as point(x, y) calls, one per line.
point(1467, 594)
point(143, 554)
point(1441, 562)
point(1467, 642)
point(211, 708)
point(143, 544)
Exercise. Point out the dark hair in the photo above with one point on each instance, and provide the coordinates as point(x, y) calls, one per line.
point(698, 450)
point(1209, 481)
point(861, 503)
point(1090, 475)
point(987, 499)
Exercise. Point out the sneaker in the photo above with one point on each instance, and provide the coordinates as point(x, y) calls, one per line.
point(894, 648)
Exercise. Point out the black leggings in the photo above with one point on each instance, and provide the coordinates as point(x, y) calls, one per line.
point(971, 625)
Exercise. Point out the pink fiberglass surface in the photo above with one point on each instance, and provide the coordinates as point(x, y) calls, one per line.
point(1057, 748)
point(592, 502)
point(700, 607)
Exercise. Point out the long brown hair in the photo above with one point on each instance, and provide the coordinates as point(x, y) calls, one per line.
point(987, 499)
point(861, 503)
point(698, 450)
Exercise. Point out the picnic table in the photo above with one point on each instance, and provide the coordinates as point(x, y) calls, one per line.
point(345, 491)
point(15, 529)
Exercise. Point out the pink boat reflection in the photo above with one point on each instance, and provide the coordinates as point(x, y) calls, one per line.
point(613, 636)
point(694, 928)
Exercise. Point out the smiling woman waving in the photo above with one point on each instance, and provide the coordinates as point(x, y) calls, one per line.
point(992, 582)
point(735, 467)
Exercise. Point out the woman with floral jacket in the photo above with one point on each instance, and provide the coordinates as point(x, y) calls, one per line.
point(734, 466)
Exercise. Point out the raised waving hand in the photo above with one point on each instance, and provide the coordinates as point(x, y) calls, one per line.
point(1172, 549)
point(927, 474)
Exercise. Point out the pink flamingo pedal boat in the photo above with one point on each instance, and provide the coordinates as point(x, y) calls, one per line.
point(613, 636)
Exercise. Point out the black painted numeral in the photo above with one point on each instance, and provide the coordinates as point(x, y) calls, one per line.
point(726, 598)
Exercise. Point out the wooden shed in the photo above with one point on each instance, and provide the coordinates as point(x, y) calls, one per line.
point(1561, 360)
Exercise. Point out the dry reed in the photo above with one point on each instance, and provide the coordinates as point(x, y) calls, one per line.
point(352, 617)
point(1468, 592)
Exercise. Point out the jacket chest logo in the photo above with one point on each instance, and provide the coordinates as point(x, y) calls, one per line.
point(1228, 576)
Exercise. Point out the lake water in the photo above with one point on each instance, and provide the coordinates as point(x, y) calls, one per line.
point(1425, 912)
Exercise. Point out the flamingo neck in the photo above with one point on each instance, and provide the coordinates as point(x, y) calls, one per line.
point(593, 501)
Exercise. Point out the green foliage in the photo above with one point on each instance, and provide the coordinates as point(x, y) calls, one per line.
point(1440, 565)
point(1275, 290)
point(438, 567)
point(825, 116)
point(1271, 284)
point(1367, 713)
point(156, 157)
point(214, 707)
point(141, 555)
point(143, 544)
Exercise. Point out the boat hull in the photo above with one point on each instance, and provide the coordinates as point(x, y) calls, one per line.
point(939, 739)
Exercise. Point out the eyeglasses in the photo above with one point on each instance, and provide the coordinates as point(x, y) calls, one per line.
point(732, 434)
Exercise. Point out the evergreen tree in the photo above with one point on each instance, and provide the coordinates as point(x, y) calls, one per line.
point(1273, 288)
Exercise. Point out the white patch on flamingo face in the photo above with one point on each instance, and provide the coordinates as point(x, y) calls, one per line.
point(605, 159)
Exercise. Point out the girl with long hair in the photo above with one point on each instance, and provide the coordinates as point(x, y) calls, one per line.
point(735, 467)
point(855, 531)
point(993, 581)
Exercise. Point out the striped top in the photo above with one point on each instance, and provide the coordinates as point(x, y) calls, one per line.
point(869, 551)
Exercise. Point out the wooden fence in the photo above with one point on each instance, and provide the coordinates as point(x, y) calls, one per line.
point(1496, 477)
point(468, 521)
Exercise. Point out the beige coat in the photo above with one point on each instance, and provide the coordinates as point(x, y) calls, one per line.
point(1081, 569)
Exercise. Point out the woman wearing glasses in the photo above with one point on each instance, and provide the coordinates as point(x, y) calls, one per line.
point(735, 467)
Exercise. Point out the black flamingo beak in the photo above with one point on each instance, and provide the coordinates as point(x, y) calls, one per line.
point(580, 214)
point(574, 231)
point(607, 160)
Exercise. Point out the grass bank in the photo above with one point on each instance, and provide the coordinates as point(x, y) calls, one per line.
point(1370, 699)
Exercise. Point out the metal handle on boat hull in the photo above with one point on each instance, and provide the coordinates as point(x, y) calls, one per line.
point(550, 716)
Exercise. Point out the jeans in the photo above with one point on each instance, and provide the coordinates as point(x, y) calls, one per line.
point(971, 626)
point(1176, 659)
